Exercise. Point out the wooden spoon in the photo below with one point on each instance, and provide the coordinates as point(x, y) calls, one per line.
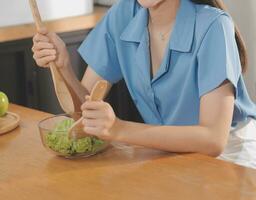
point(98, 93)
point(69, 93)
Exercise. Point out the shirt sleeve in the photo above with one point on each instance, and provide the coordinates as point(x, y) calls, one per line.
point(218, 57)
point(99, 49)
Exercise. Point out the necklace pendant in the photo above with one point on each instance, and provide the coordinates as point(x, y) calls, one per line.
point(162, 36)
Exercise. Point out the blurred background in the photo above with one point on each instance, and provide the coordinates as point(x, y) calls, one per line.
point(244, 15)
point(30, 86)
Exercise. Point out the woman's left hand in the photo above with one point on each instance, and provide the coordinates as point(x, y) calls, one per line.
point(99, 118)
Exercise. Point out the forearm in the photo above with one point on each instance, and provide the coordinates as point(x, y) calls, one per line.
point(208, 137)
point(197, 139)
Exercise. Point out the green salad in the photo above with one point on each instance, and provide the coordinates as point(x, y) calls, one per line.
point(58, 141)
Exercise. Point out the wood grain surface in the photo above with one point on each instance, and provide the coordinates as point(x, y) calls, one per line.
point(9, 122)
point(30, 172)
point(68, 24)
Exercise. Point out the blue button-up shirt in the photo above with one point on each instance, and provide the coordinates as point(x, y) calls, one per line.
point(201, 54)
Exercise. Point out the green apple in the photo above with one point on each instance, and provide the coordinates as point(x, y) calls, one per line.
point(4, 103)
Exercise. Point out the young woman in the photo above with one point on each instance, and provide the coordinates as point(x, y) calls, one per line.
point(182, 61)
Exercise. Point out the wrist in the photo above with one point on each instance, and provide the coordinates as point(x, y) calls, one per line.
point(66, 68)
point(115, 129)
point(67, 63)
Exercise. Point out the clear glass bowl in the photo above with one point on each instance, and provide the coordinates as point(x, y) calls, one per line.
point(56, 140)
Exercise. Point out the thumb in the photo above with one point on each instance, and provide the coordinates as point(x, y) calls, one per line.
point(87, 98)
point(43, 31)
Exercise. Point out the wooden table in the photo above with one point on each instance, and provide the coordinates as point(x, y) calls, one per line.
point(28, 171)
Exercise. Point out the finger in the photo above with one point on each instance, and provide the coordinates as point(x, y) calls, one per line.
point(44, 53)
point(56, 40)
point(93, 105)
point(89, 114)
point(42, 31)
point(43, 62)
point(40, 38)
point(87, 98)
point(93, 131)
point(92, 123)
point(42, 45)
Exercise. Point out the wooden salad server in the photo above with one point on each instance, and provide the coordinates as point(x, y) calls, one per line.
point(69, 90)
point(98, 93)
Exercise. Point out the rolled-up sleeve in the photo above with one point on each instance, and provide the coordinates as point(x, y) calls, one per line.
point(218, 57)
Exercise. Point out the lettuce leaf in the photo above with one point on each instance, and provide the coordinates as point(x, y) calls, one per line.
point(58, 141)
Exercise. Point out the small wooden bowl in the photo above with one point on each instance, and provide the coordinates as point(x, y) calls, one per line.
point(9, 122)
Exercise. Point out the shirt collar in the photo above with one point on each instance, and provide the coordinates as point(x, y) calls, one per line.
point(183, 30)
point(136, 28)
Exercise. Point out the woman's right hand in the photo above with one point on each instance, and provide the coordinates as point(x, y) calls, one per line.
point(49, 47)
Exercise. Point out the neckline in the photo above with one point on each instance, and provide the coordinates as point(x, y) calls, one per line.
point(163, 63)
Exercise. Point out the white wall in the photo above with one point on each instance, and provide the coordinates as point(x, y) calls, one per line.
point(15, 12)
point(244, 14)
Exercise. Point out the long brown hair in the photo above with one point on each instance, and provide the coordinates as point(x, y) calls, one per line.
point(239, 39)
